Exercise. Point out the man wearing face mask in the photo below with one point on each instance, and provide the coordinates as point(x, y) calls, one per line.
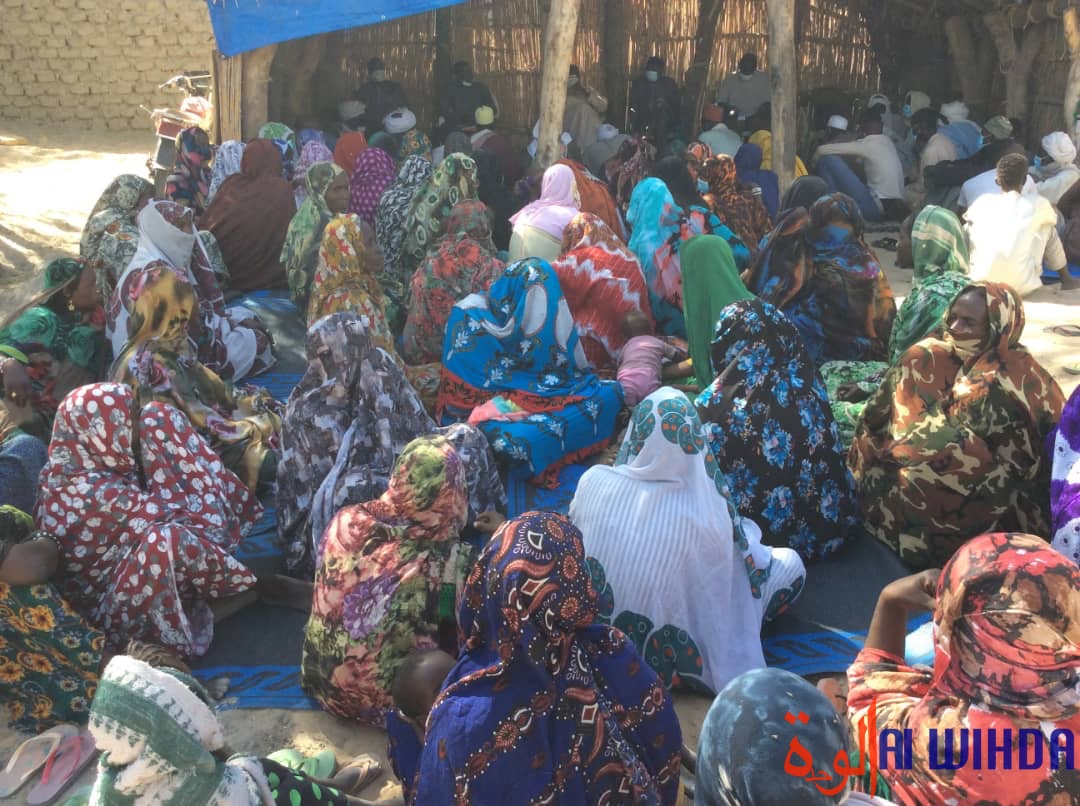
point(459, 100)
point(379, 95)
point(583, 110)
point(654, 101)
point(747, 89)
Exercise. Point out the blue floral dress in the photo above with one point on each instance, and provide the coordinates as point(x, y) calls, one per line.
point(772, 432)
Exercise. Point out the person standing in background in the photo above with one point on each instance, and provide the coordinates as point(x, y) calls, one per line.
point(460, 99)
point(654, 101)
point(379, 95)
point(747, 89)
point(584, 107)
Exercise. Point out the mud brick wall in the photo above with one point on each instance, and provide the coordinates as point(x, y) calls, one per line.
point(91, 63)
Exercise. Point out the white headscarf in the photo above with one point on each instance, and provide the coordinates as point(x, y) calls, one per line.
point(663, 513)
point(955, 111)
point(1060, 147)
point(226, 163)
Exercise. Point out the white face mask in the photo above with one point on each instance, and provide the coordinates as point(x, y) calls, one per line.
point(652, 75)
point(379, 75)
point(571, 81)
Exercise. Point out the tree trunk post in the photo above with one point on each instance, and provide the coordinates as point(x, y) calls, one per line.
point(1015, 61)
point(785, 90)
point(256, 82)
point(559, 34)
point(965, 60)
point(697, 77)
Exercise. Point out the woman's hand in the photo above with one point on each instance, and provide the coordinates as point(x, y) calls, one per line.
point(17, 388)
point(915, 594)
point(489, 522)
point(851, 393)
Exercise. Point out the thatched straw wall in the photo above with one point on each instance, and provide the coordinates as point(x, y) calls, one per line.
point(503, 40)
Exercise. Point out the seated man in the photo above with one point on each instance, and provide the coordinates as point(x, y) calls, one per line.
point(583, 110)
point(747, 89)
point(715, 133)
point(1013, 234)
point(379, 95)
point(883, 193)
point(1056, 170)
point(983, 184)
point(945, 180)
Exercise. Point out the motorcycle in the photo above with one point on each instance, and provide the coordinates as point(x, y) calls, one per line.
point(196, 109)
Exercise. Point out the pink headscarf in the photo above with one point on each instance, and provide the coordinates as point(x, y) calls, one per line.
point(374, 173)
point(559, 202)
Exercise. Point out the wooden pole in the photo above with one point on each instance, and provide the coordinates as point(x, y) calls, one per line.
point(614, 59)
point(965, 60)
point(1071, 21)
point(559, 34)
point(697, 77)
point(785, 88)
point(1015, 61)
point(255, 93)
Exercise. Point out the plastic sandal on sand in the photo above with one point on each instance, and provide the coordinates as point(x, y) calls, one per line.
point(287, 758)
point(320, 766)
point(30, 757)
point(65, 765)
point(1070, 331)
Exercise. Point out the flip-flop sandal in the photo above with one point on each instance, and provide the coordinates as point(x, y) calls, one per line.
point(1071, 331)
point(889, 244)
point(1072, 369)
point(320, 766)
point(64, 766)
point(370, 769)
point(30, 757)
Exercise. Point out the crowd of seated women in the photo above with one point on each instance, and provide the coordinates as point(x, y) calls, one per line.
point(739, 379)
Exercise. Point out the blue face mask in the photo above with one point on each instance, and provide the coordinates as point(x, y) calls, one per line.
point(982, 142)
point(1036, 163)
point(907, 110)
point(702, 186)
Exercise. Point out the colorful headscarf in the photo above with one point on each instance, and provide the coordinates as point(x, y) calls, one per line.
point(389, 572)
point(349, 146)
point(734, 204)
point(635, 159)
point(300, 254)
point(277, 131)
point(313, 152)
point(111, 235)
point(940, 251)
point(374, 173)
point(309, 135)
point(697, 154)
point(746, 742)
point(345, 278)
point(559, 202)
point(602, 281)
point(558, 689)
point(454, 181)
point(953, 443)
point(189, 182)
point(414, 143)
point(394, 206)
point(748, 163)
point(1006, 658)
point(462, 262)
point(772, 433)
point(226, 163)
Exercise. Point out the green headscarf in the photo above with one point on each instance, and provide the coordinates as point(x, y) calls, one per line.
point(710, 282)
point(300, 254)
point(61, 271)
point(940, 251)
point(277, 131)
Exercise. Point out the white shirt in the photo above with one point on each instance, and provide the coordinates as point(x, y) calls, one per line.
point(747, 95)
point(1055, 186)
point(721, 140)
point(1011, 236)
point(876, 152)
point(983, 184)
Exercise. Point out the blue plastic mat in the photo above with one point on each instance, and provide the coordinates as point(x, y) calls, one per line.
point(260, 687)
point(522, 496)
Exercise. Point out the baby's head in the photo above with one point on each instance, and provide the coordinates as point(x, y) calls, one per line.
point(635, 323)
point(418, 682)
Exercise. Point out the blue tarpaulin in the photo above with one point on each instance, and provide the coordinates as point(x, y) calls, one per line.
point(241, 25)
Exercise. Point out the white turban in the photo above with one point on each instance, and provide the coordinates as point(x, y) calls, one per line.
point(1060, 147)
point(399, 122)
point(955, 112)
point(838, 122)
point(605, 132)
point(878, 99)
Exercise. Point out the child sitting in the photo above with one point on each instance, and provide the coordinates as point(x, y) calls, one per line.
point(641, 365)
point(416, 686)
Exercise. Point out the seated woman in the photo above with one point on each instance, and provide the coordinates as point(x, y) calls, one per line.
point(50, 346)
point(111, 234)
point(285, 139)
point(454, 181)
point(230, 341)
point(462, 262)
point(310, 153)
point(385, 583)
point(595, 197)
point(820, 273)
point(768, 425)
point(517, 350)
point(393, 210)
point(661, 514)
point(602, 281)
point(50, 658)
point(227, 159)
point(347, 281)
point(249, 217)
point(710, 281)
point(189, 182)
point(940, 255)
point(327, 196)
point(661, 224)
point(1005, 660)
point(537, 667)
point(734, 203)
point(951, 445)
point(157, 362)
point(345, 425)
point(629, 168)
point(374, 172)
point(744, 744)
point(146, 518)
point(539, 227)
point(1064, 489)
point(748, 161)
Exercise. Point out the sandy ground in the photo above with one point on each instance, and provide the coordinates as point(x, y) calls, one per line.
point(48, 186)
